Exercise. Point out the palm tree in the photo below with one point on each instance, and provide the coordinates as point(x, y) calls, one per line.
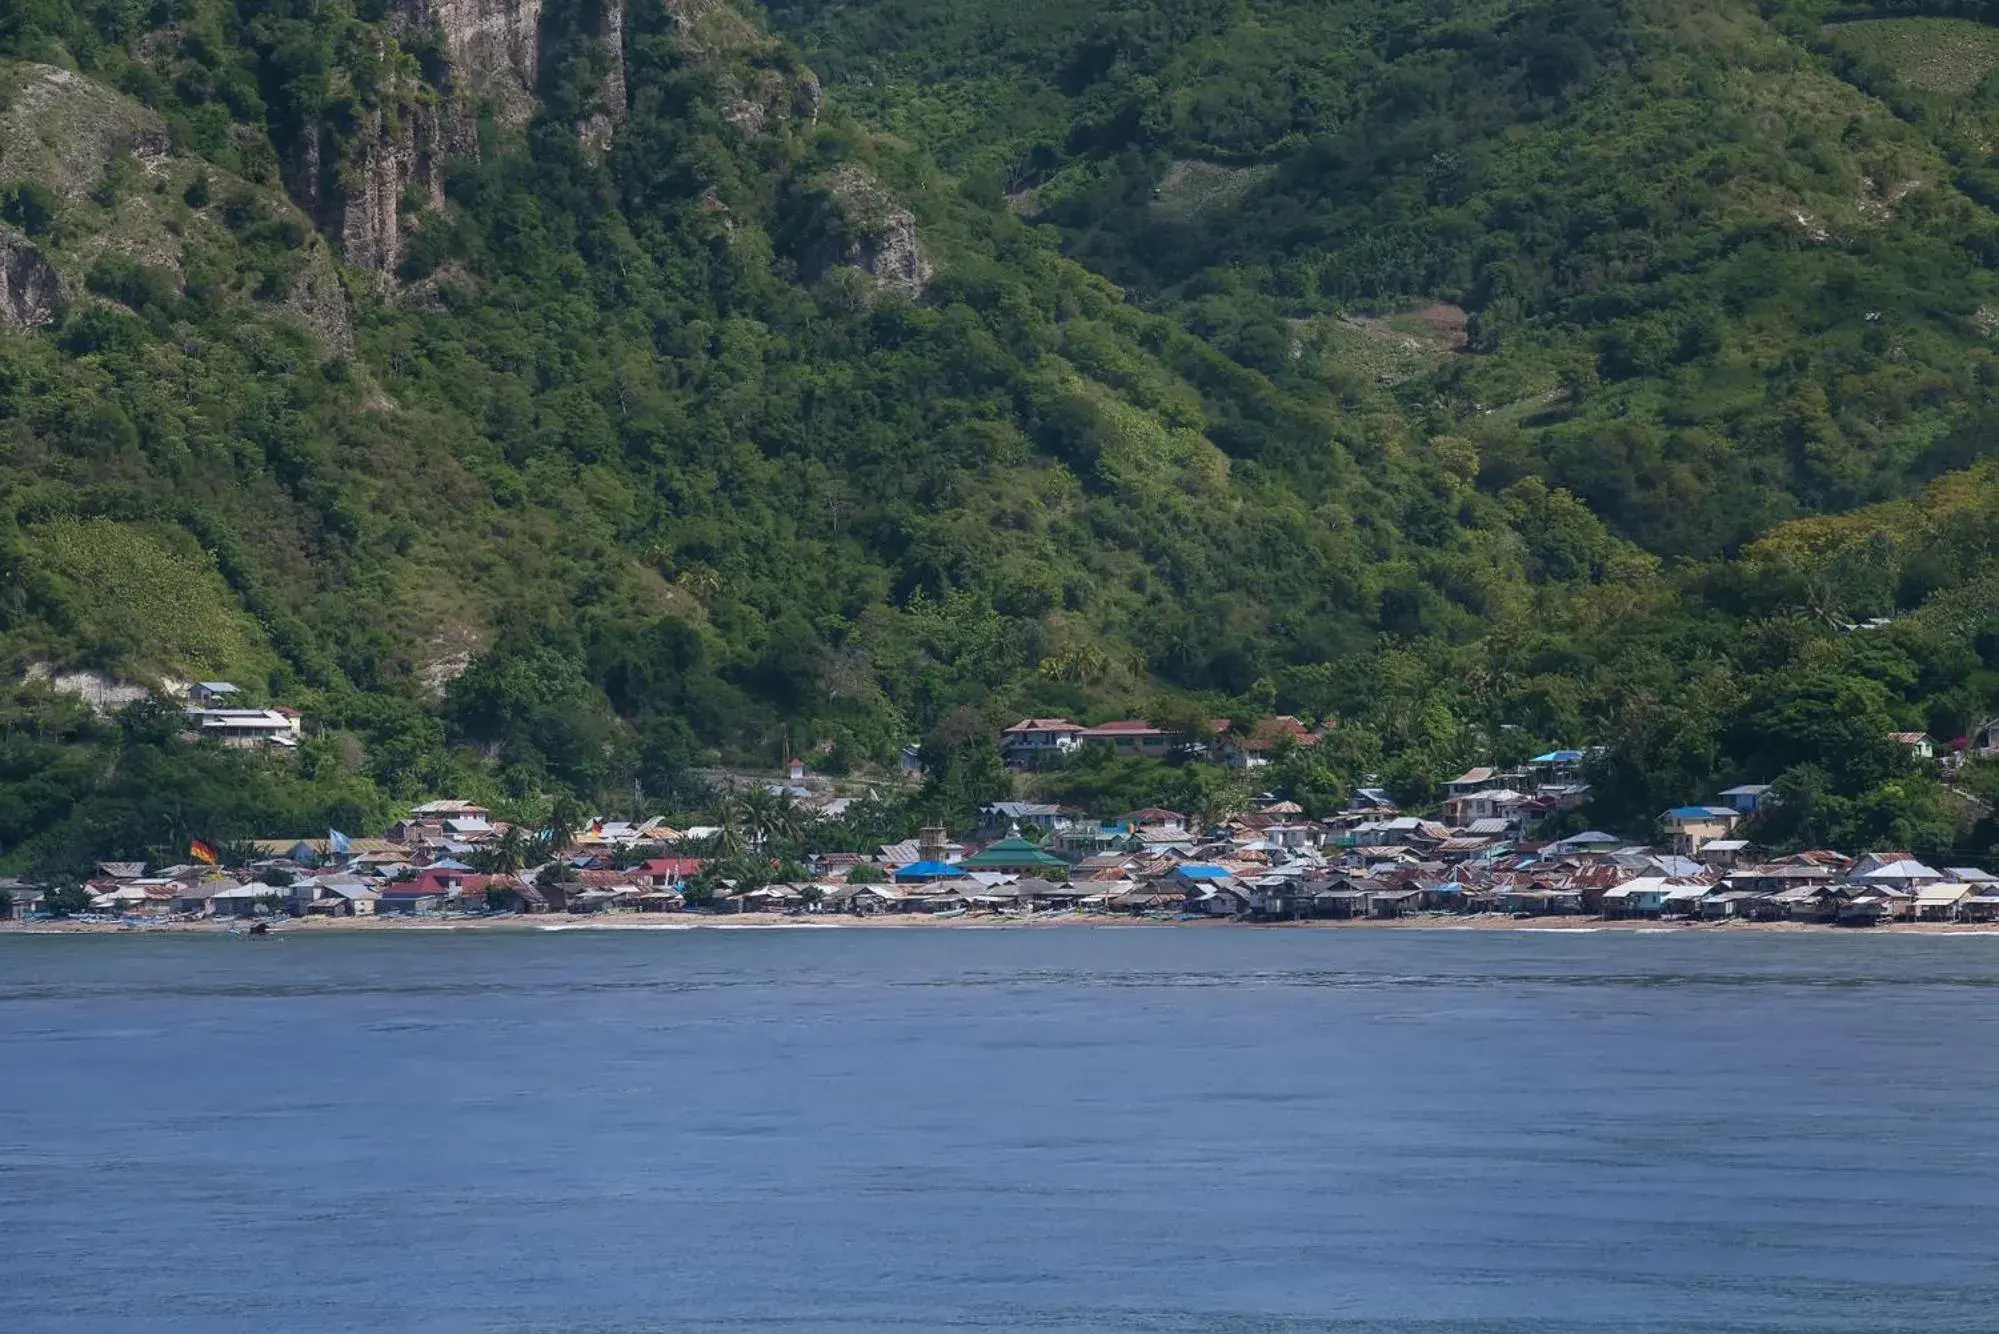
point(565, 814)
point(783, 820)
point(506, 854)
point(733, 837)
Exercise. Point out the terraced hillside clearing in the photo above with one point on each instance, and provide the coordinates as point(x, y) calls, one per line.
point(1192, 186)
point(1937, 55)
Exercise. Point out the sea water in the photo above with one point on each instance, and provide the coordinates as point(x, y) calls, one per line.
point(1039, 1129)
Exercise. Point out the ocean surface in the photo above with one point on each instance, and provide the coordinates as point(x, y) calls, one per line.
point(1480, 1132)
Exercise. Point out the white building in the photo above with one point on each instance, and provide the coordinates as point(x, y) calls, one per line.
point(243, 729)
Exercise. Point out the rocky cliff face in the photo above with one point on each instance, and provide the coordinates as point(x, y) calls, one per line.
point(492, 52)
point(493, 48)
point(598, 129)
point(398, 151)
point(28, 285)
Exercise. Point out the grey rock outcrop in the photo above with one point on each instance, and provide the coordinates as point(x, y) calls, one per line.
point(493, 50)
point(608, 116)
point(29, 287)
point(402, 150)
point(866, 229)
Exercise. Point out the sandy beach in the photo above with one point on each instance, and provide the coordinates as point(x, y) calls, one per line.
point(920, 921)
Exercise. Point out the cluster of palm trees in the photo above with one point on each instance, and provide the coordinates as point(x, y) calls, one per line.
point(756, 819)
point(750, 822)
point(514, 850)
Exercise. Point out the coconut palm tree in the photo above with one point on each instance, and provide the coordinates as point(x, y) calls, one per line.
point(504, 855)
point(565, 816)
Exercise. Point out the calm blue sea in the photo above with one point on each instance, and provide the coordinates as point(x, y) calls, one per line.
point(1068, 1129)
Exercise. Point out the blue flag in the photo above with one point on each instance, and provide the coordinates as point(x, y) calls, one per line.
point(336, 842)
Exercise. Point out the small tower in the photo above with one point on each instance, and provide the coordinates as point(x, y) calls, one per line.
point(931, 844)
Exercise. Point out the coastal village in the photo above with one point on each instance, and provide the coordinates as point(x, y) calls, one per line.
point(1478, 856)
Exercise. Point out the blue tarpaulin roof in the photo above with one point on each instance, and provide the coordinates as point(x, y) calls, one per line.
point(1192, 872)
point(927, 871)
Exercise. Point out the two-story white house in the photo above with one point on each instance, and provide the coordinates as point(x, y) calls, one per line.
point(1032, 742)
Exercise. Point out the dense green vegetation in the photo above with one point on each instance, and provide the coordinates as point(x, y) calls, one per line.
point(1471, 376)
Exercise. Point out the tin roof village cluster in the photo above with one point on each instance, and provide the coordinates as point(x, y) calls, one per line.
point(1480, 854)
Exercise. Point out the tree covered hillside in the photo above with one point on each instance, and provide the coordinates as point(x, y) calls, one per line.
point(1721, 266)
point(562, 400)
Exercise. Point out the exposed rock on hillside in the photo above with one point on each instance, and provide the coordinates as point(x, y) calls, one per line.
point(598, 129)
point(60, 129)
point(861, 226)
point(493, 48)
point(400, 151)
point(120, 187)
point(28, 285)
point(762, 85)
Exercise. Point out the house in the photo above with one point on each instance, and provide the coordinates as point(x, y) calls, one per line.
point(1746, 798)
point(1919, 743)
point(1371, 803)
point(406, 898)
point(449, 810)
point(470, 829)
point(1129, 737)
point(440, 880)
point(1684, 898)
point(1470, 781)
point(1193, 875)
point(245, 900)
point(1501, 803)
point(868, 900)
point(1939, 902)
point(1540, 900)
point(1154, 818)
point(1904, 874)
point(1689, 828)
point(1557, 764)
point(211, 692)
point(1644, 897)
point(666, 872)
point(137, 898)
point(1216, 899)
point(1033, 742)
point(18, 900)
point(1729, 904)
point(1293, 838)
point(193, 900)
point(1589, 841)
point(1811, 903)
point(1727, 852)
point(1005, 815)
point(651, 900)
point(346, 898)
point(243, 729)
point(1265, 736)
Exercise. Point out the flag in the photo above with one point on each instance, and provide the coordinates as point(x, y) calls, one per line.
point(201, 852)
point(336, 843)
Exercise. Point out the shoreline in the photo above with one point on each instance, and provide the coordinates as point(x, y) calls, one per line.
point(917, 921)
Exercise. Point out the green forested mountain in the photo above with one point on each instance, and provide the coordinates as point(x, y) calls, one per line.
point(552, 396)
